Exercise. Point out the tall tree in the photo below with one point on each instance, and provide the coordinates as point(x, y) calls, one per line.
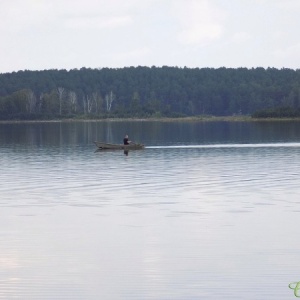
point(60, 91)
point(109, 98)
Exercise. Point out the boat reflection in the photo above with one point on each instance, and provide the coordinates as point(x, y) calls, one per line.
point(125, 152)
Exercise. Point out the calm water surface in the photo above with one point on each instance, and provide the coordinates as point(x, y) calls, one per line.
point(206, 211)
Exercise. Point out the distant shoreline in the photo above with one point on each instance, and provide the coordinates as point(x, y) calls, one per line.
point(183, 119)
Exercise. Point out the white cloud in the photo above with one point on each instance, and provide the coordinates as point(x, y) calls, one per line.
point(287, 4)
point(241, 37)
point(98, 22)
point(39, 34)
point(287, 52)
point(134, 55)
point(18, 15)
point(200, 21)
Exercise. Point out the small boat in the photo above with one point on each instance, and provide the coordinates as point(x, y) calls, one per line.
point(106, 146)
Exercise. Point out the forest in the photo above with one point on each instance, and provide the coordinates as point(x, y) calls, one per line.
point(149, 92)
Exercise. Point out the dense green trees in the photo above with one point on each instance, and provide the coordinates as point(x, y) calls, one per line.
point(146, 92)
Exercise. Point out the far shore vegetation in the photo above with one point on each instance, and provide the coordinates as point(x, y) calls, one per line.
point(143, 93)
point(161, 119)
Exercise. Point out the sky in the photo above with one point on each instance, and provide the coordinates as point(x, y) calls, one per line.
point(71, 34)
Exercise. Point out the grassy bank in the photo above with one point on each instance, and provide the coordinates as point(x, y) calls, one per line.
point(164, 119)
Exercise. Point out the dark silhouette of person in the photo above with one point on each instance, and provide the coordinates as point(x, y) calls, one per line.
point(126, 140)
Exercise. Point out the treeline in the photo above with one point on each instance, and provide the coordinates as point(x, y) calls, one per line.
point(147, 92)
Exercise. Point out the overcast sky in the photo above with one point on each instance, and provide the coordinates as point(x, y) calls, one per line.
point(68, 34)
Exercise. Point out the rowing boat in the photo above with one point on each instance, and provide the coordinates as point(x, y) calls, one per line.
point(106, 146)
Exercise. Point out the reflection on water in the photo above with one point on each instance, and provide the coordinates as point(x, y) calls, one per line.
point(149, 133)
point(189, 217)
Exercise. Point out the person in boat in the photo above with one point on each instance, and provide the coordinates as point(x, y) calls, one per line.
point(126, 140)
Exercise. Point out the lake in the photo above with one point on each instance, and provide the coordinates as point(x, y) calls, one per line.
point(208, 210)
